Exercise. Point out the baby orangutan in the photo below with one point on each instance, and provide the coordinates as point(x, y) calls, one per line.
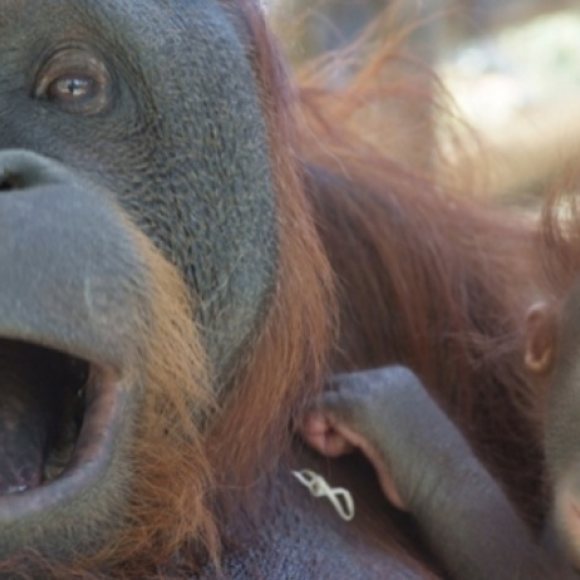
point(425, 465)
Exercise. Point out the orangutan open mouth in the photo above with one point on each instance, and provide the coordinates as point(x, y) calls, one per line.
point(57, 418)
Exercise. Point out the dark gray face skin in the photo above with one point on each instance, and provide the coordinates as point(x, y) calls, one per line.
point(180, 143)
point(150, 108)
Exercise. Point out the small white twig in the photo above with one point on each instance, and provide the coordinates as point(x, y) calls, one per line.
point(340, 498)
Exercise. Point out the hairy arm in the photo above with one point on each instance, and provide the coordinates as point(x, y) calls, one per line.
point(426, 466)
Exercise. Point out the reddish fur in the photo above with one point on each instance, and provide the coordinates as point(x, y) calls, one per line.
point(417, 277)
point(421, 276)
point(558, 242)
point(423, 279)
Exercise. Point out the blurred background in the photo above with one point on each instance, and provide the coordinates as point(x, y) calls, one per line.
point(512, 68)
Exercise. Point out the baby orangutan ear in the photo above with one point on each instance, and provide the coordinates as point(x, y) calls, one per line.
point(540, 339)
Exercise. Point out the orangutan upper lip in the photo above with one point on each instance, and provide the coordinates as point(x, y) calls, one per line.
point(59, 416)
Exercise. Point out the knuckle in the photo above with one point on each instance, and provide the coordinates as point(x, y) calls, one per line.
point(404, 377)
point(337, 404)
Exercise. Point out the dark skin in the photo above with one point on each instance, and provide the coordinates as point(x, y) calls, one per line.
point(95, 153)
point(426, 467)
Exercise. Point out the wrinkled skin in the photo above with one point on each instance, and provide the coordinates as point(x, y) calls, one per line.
point(108, 128)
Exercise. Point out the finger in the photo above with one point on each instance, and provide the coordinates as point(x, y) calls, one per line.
point(337, 439)
point(319, 432)
point(342, 404)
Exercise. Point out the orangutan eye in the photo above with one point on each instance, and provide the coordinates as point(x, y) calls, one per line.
point(72, 88)
point(76, 81)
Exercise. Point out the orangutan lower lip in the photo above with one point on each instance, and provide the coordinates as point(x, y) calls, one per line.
point(81, 433)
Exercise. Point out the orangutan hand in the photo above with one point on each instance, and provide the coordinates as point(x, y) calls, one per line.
point(388, 415)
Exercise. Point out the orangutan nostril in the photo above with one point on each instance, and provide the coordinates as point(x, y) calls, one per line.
point(10, 181)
